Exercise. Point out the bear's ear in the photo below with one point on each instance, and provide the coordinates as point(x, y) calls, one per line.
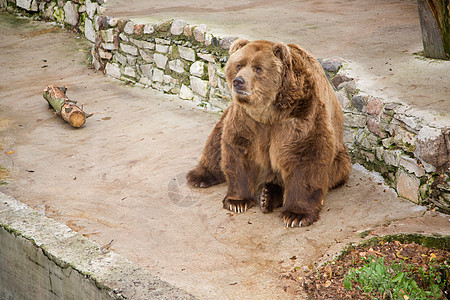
point(281, 51)
point(238, 44)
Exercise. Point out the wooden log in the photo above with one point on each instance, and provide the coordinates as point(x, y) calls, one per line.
point(64, 107)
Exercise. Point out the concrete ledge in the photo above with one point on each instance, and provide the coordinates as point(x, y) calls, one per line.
point(43, 259)
point(411, 152)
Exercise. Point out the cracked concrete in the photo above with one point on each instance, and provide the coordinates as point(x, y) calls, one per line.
point(121, 179)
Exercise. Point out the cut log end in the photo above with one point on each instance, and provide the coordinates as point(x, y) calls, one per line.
point(73, 115)
point(77, 119)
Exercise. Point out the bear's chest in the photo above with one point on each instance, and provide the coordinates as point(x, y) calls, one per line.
point(267, 144)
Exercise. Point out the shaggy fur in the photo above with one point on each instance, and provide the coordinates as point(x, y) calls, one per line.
point(281, 140)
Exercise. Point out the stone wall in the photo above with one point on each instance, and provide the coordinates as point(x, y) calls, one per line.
point(188, 60)
point(29, 273)
point(412, 156)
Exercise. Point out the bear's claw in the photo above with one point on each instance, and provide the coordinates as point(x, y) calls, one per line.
point(237, 206)
point(265, 200)
point(301, 220)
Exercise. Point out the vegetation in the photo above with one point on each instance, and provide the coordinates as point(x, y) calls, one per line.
point(398, 280)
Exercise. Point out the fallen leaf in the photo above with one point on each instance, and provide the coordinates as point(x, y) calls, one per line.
point(401, 256)
point(327, 283)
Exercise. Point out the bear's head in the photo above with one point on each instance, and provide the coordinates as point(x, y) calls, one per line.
point(258, 72)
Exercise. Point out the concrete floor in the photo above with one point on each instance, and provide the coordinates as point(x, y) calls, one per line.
point(121, 178)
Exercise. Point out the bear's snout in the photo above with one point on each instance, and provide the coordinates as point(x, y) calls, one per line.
point(238, 82)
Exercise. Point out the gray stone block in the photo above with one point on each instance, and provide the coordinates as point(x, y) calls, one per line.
point(177, 66)
point(25, 4)
point(137, 43)
point(160, 60)
point(129, 49)
point(186, 93)
point(187, 53)
point(109, 46)
point(366, 139)
point(167, 79)
point(149, 29)
point(129, 27)
point(162, 41)
point(354, 120)
point(113, 70)
point(332, 64)
point(48, 12)
point(120, 58)
point(359, 102)
point(104, 54)
point(431, 146)
point(131, 60)
point(91, 8)
point(107, 35)
point(207, 57)
point(410, 121)
point(130, 72)
point(177, 27)
point(147, 56)
point(407, 186)
point(146, 70)
point(89, 32)
point(411, 165)
point(162, 48)
point(199, 32)
point(404, 139)
point(392, 157)
point(199, 86)
point(343, 99)
point(212, 75)
point(197, 69)
point(124, 37)
point(226, 42)
point(158, 75)
point(147, 45)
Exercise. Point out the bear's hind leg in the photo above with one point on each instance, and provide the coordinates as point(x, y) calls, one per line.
point(271, 197)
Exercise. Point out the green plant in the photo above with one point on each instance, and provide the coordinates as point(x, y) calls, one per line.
point(398, 280)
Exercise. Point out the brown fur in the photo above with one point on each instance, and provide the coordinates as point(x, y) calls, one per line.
point(282, 136)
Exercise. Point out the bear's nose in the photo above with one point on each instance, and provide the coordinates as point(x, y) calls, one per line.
point(238, 82)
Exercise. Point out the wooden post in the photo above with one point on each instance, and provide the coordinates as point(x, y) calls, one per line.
point(435, 24)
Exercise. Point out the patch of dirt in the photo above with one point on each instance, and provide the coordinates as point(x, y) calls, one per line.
point(326, 282)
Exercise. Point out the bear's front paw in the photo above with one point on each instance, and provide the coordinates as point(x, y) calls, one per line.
point(238, 206)
point(291, 219)
point(201, 178)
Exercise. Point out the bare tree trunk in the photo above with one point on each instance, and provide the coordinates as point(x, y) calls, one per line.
point(434, 21)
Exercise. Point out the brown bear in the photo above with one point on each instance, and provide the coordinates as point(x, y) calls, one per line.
point(281, 139)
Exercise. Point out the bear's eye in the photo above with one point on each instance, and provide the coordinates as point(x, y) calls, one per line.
point(258, 70)
point(238, 67)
